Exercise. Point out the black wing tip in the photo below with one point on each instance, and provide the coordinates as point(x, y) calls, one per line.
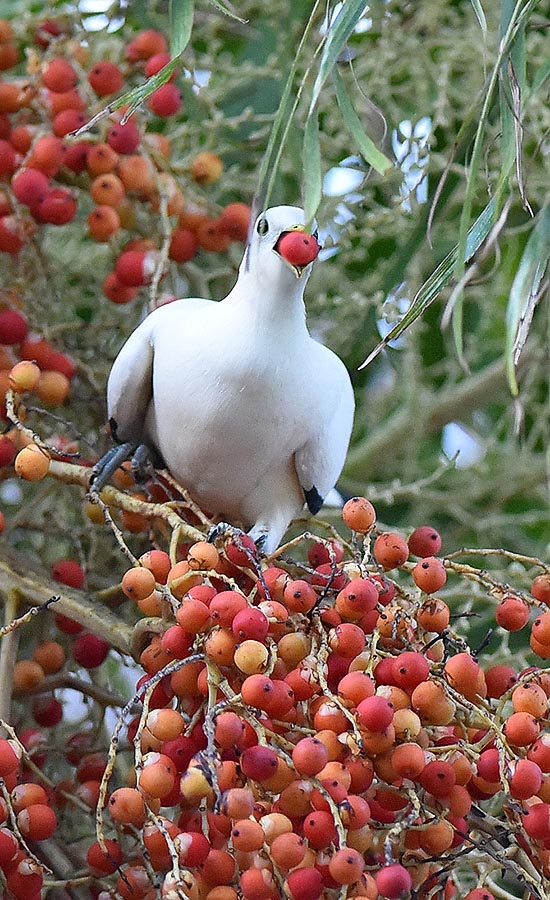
point(314, 500)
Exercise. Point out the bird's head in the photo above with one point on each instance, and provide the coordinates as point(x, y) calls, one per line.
point(279, 242)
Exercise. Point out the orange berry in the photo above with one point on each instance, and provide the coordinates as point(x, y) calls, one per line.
point(50, 655)
point(137, 174)
point(203, 555)
point(138, 583)
point(24, 376)
point(158, 775)
point(235, 220)
point(101, 159)
point(211, 236)
point(429, 574)
point(390, 550)
point(530, 698)
point(521, 729)
point(165, 724)
point(103, 223)
point(27, 675)
point(32, 463)
point(359, 514)
point(434, 615)
point(53, 388)
point(466, 676)
point(107, 190)
point(127, 807)
point(432, 704)
point(206, 168)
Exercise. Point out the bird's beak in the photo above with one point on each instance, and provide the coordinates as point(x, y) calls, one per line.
point(297, 269)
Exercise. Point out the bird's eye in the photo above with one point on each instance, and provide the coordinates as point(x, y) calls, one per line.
point(262, 227)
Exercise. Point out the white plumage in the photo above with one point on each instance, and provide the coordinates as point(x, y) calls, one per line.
point(248, 412)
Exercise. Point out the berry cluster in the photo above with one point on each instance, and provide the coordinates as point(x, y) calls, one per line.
point(30, 365)
point(308, 730)
point(333, 730)
point(119, 176)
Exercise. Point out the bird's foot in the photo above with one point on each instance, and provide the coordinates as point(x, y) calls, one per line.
point(105, 467)
point(245, 543)
point(143, 464)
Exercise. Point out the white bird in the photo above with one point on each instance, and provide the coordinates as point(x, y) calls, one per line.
point(248, 412)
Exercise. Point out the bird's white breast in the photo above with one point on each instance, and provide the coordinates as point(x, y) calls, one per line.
point(242, 396)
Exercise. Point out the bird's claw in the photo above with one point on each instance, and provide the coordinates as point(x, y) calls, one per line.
point(224, 531)
point(105, 467)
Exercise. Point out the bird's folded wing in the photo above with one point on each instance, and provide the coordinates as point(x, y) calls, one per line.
point(320, 460)
point(130, 385)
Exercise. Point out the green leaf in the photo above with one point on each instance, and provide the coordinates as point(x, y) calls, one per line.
point(181, 23)
point(540, 77)
point(311, 162)
point(228, 11)
point(478, 9)
point(524, 291)
point(433, 286)
point(339, 31)
point(367, 148)
point(281, 125)
point(514, 14)
point(132, 98)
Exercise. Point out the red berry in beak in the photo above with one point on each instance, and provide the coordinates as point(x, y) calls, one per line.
point(298, 247)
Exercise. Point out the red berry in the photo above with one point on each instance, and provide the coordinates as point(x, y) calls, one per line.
point(8, 158)
point(13, 327)
point(69, 572)
point(146, 44)
point(305, 884)
point(106, 78)
point(393, 882)
point(136, 267)
point(65, 122)
point(512, 613)
point(298, 248)
point(165, 101)
point(183, 247)
point(59, 75)
point(57, 207)
point(124, 138)
point(375, 713)
point(37, 822)
point(8, 451)
point(9, 757)
point(30, 186)
point(12, 235)
point(116, 291)
point(47, 711)
point(90, 651)
point(155, 63)
point(102, 863)
point(424, 541)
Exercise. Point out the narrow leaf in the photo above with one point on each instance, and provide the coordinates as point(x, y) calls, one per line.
point(311, 164)
point(367, 148)
point(339, 31)
point(181, 23)
point(227, 10)
point(433, 285)
point(281, 125)
point(523, 292)
point(478, 9)
point(540, 77)
point(133, 98)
